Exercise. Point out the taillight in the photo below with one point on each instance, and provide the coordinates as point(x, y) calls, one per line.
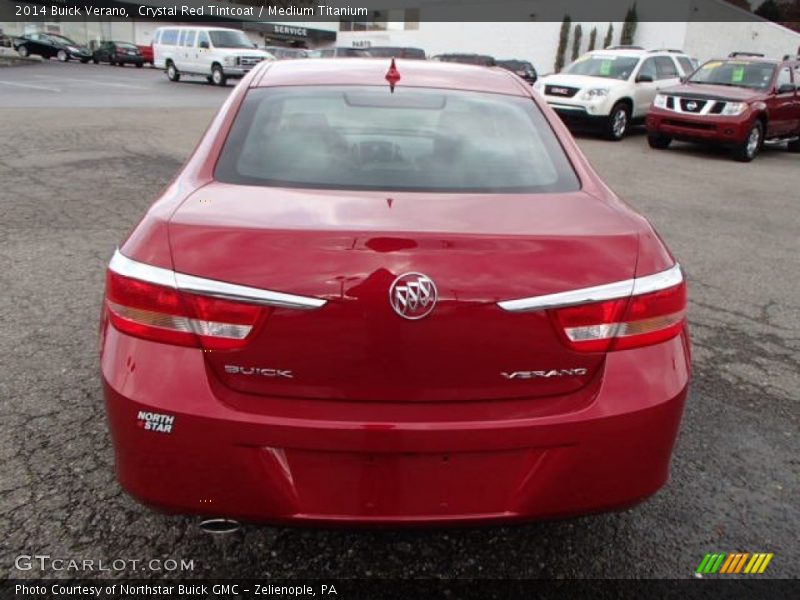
point(642, 319)
point(165, 314)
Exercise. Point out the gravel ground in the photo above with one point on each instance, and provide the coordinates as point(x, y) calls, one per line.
point(74, 180)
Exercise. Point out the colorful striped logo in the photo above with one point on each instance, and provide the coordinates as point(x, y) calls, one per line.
point(734, 562)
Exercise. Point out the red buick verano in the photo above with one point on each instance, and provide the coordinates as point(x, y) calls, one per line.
point(402, 301)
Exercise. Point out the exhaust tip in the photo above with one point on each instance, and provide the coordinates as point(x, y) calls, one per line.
point(219, 526)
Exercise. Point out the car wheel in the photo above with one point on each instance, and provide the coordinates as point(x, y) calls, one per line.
point(658, 141)
point(62, 55)
point(218, 76)
point(749, 148)
point(794, 145)
point(172, 72)
point(84, 61)
point(23, 51)
point(120, 64)
point(617, 124)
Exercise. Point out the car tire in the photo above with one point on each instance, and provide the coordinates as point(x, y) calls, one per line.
point(794, 145)
point(120, 64)
point(172, 72)
point(748, 149)
point(84, 61)
point(139, 65)
point(62, 55)
point(23, 51)
point(658, 141)
point(110, 63)
point(95, 61)
point(618, 122)
point(218, 76)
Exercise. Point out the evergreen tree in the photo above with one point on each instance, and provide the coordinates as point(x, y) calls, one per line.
point(562, 43)
point(629, 27)
point(592, 39)
point(770, 10)
point(576, 41)
point(609, 36)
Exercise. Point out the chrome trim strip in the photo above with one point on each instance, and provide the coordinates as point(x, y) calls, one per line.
point(211, 287)
point(658, 281)
point(231, 291)
point(598, 293)
point(126, 267)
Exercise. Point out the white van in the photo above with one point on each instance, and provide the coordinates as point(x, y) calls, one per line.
point(216, 53)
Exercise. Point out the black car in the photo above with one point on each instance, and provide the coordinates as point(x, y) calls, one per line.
point(339, 52)
point(49, 45)
point(467, 59)
point(118, 53)
point(521, 67)
point(285, 53)
point(396, 52)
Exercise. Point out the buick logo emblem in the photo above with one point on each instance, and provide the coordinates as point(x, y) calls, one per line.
point(413, 295)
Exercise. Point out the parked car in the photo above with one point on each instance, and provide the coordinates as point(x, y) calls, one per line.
point(216, 53)
point(396, 52)
point(521, 67)
point(467, 59)
point(50, 45)
point(283, 53)
point(358, 306)
point(118, 53)
point(338, 52)
point(612, 89)
point(146, 50)
point(739, 102)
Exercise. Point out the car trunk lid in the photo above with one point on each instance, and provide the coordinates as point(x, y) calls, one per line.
point(348, 248)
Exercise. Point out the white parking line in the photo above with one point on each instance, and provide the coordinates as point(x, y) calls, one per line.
point(28, 85)
point(92, 81)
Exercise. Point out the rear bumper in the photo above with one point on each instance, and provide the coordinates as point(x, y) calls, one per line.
point(133, 60)
point(341, 462)
point(579, 116)
point(237, 72)
point(690, 128)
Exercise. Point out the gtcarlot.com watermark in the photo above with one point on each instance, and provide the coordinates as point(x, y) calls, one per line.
point(45, 562)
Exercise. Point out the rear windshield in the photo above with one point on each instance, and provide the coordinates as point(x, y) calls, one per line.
point(608, 66)
point(737, 73)
point(366, 138)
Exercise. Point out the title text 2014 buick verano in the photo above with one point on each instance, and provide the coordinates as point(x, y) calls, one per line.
point(403, 301)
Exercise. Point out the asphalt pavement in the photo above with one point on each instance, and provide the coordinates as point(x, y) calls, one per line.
point(86, 148)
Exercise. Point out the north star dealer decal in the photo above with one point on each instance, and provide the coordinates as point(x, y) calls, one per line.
point(150, 421)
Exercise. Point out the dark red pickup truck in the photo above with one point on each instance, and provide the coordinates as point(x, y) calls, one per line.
point(740, 102)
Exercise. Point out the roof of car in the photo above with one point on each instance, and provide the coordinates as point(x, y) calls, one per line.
point(372, 71)
point(752, 59)
point(622, 52)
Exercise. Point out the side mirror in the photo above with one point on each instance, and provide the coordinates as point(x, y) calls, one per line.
point(644, 79)
point(786, 88)
point(204, 44)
